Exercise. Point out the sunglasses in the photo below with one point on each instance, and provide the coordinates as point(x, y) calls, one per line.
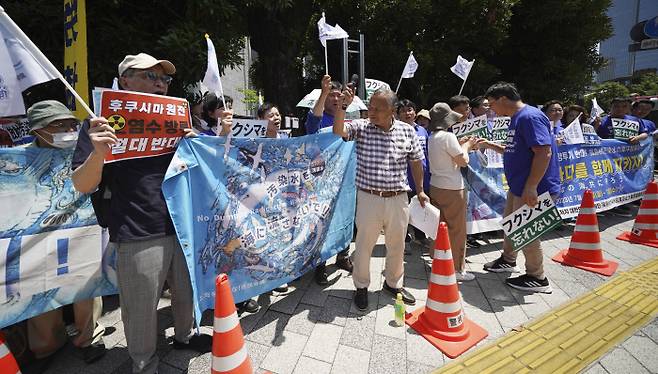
point(154, 77)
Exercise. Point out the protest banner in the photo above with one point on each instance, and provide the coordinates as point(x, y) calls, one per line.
point(51, 249)
point(616, 172)
point(527, 224)
point(75, 54)
point(590, 136)
point(473, 127)
point(267, 213)
point(499, 129)
point(14, 132)
point(624, 129)
point(147, 125)
point(248, 128)
point(373, 85)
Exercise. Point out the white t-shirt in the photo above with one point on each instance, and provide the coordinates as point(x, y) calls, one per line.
point(442, 147)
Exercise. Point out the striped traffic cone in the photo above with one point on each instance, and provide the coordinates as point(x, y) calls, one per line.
point(8, 364)
point(585, 248)
point(645, 228)
point(229, 353)
point(441, 321)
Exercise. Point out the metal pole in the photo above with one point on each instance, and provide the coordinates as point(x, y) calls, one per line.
point(362, 67)
point(345, 61)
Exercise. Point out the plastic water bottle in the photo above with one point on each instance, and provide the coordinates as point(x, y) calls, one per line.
point(399, 310)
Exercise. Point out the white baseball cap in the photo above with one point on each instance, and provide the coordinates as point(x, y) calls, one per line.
point(145, 61)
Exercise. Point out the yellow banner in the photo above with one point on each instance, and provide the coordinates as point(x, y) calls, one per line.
point(75, 54)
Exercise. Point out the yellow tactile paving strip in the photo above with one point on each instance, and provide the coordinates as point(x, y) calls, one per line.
point(569, 338)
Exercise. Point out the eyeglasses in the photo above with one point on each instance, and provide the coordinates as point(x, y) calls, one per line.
point(555, 110)
point(64, 124)
point(154, 77)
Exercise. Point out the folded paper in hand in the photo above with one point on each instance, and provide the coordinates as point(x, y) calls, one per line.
point(425, 219)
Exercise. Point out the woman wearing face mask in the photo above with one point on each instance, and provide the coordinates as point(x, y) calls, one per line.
point(54, 126)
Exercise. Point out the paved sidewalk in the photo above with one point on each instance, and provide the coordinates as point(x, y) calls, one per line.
point(319, 330)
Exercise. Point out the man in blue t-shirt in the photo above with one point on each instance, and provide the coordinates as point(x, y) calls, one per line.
point(135, 212)
point(406, 111)
point(321, 119)
point(641, 110)
point(531, 168)
point(619, 108)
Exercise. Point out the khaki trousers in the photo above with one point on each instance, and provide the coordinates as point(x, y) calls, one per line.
point(374, 214)
point(453, 204)
point(534, 259)
point(47, 333)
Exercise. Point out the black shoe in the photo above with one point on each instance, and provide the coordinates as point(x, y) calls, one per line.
point(529, 283)
point(249, 306)
point(473, 243)
point(93, 352)
point(344, 263)
point(501, 266)
point(321, 277)
point(199, 343)
point(407, 297)
point(282, 288)
point(361, 298)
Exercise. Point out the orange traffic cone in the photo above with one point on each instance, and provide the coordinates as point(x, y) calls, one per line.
point(8, 364)
point(585, 248)
point(645, 228)
point(229, 353)
point(441, 321)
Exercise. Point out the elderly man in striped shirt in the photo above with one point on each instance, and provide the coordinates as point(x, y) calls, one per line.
point(384, 148)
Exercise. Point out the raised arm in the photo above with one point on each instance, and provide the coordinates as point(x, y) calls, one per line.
point(339, 119)
point(87, 176)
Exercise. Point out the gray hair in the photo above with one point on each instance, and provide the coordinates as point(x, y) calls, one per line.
point(388, 94)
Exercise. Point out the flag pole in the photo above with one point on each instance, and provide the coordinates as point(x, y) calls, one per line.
point(326, 61)
point(41, 59)
point(398, 87)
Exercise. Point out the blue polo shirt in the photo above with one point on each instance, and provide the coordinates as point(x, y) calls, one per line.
point(529, 127)
point(314, 124)
point(605, 130)
point(423, 137)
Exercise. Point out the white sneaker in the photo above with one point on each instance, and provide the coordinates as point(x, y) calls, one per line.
point(463, 276)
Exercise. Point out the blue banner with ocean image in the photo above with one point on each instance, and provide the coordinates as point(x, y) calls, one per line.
point(52, 252)
point(263, 211)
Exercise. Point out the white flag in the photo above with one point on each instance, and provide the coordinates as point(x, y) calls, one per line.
point(573, 134)
point(596, 111)
point(28, 70)
point(411, 67)
point(212, 79)
point(11, 99)
point(462, 68)
point(328, 32)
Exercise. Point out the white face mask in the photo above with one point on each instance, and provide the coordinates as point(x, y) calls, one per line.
point(64, 140)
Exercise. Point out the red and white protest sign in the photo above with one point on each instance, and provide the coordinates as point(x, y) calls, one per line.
point(147, 125)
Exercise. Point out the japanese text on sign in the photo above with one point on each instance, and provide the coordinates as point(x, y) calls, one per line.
point(473, 127)
point(146, 125)
point(499, 129)
point(248, 128)
point(526, 224)
point(624, 129)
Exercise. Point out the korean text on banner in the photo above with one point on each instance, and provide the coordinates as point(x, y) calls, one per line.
point(15, 132)
point(146, 125)
point(75, 54)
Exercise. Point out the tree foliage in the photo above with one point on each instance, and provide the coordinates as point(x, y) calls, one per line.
point(546, 47)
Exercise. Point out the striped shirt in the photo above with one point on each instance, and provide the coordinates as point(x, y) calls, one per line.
point(382, 156)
